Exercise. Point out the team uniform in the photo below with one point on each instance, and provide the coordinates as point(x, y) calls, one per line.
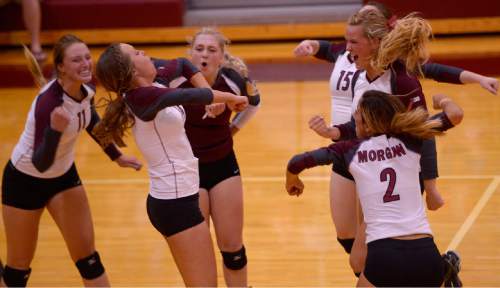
point(345, 74)
point(42, 163)
point(159, 133)
point(211, 138)
point(385, 169)
point(397, 81)
point(173, 170)
point(340, 80)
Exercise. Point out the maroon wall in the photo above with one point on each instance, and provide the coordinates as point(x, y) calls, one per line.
point(91, 14)
point(445, 8)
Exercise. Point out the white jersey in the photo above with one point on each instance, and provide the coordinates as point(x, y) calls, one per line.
point(172, 167)
point(386, 174)
point(51, 96)
point(362, 84)
point(341, 79)
point(341, 90)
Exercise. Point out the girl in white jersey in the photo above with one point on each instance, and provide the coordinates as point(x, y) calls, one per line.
point(157, 122)
point(344, 73)
point(401, 250)
point(41, 172)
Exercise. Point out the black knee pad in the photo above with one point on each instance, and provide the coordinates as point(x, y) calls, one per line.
point(16, 278)
point(235, 260)
point(347, 244)
point(90, 267)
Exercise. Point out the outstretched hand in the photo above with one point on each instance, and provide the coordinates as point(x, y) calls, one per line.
point(490, 84)
point(129, 162)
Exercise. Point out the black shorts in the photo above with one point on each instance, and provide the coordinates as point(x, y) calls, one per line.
point(404, 263)
point(27, 192)
point(213, 173)
point(171, 216)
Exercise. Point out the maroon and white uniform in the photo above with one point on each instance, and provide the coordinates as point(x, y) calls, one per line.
point(211, 138)
point(45, 153)
point(160, 136)
point(345, 74)
point(340, 80)
point(386, 172)
point(397, 81)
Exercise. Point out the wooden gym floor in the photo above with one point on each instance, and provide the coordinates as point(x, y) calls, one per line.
point(290, 241)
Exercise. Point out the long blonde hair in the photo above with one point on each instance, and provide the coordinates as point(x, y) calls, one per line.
point(383, 113)
point(230, 60)
point(407, 41)
point(115, 72)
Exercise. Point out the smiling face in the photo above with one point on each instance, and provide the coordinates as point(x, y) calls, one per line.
point(76, 65)
point(361, 48)
point(143, 66)
point(207, 54)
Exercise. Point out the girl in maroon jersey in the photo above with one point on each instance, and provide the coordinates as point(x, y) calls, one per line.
point(221, 193)
point(41, 172)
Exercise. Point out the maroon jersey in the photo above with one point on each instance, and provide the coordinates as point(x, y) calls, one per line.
point(211, 138)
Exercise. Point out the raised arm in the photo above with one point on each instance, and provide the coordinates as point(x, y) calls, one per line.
point(320, 49)
point(488, 83)
point(306, 48)
point(454, 113)
point(455, 75)
point(146, 102)
point(48, 137)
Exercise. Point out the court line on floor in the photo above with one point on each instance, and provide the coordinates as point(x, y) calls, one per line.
point(113, 181)
point(469, 221)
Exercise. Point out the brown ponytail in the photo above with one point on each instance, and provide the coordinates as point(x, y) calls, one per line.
point(115, 72)
point(383, 113)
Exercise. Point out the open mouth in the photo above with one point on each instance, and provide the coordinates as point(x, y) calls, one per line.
point(204, 64)
point(85, 73)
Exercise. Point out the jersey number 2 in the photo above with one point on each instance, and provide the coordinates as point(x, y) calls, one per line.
point(389, 174)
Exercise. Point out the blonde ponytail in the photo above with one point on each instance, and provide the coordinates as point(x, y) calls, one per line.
point(406, 42)
point(34, 67)
point(235, 63)
point(415, 123)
